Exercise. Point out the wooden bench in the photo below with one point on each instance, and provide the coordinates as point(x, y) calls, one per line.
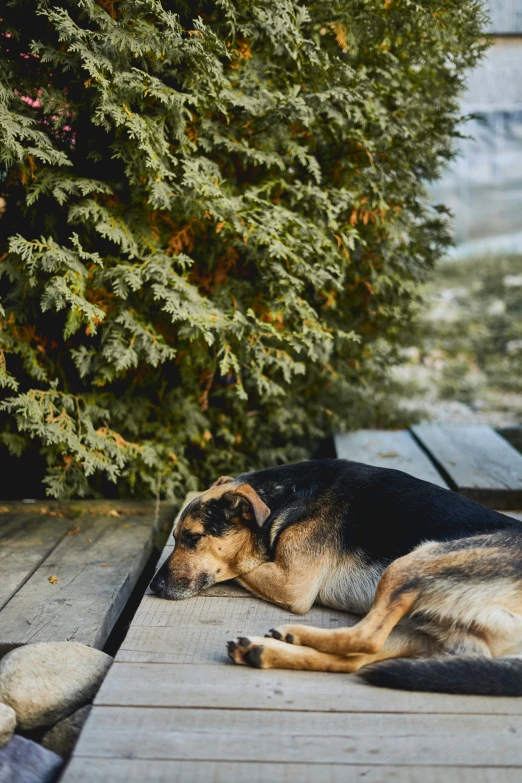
point(172, 707)
point(68, 569)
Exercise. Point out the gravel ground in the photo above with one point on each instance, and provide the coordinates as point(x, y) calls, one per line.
point(465, 363)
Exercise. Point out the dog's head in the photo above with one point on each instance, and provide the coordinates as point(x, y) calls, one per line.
point(218, 536)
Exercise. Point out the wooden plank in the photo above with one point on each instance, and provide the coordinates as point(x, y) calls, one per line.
point(478, 462)
point(26, 539)
point(91, 770)
point(388, 449)
point(239, 687)
point(96, 569)
point(304, 737)
point(196, 630)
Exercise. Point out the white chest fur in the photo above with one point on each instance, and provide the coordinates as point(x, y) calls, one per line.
point(350, 585)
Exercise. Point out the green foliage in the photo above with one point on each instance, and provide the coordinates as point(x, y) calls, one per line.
point(215, 223)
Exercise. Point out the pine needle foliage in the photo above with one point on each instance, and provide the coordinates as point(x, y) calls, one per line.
point(215, 223)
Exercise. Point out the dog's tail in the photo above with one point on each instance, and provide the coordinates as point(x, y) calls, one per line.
point(449, 674)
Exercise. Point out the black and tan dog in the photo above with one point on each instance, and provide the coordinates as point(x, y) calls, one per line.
point(437, 576)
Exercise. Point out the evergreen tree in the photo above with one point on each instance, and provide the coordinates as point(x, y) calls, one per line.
point(215, 223)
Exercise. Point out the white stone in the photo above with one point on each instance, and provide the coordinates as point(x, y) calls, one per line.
point(7, 723)
point(46, 682)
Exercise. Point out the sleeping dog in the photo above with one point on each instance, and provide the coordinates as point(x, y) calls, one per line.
point(437, 577)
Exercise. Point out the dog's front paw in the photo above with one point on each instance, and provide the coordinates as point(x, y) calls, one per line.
point(253, 651)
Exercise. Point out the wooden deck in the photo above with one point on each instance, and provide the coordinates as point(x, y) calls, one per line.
point(173, 709)
point(68, 569)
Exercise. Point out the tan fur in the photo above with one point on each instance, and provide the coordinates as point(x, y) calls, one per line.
point(223, 557)
point(441, 598)
point(419, 609)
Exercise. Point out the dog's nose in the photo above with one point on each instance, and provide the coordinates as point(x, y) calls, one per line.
point(158, 583)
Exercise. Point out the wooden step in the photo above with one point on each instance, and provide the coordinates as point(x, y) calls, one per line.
point(476, 461)
point(68, 569)
point(388, 449)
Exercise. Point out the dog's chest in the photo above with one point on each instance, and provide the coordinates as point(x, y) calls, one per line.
point(350, 585)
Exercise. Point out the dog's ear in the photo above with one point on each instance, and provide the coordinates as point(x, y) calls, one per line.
point(245, 502)
point(221, 480)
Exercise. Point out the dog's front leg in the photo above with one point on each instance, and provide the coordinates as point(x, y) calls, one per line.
point(293, 591)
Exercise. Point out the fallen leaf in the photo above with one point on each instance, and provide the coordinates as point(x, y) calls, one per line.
point(114, 513)
point(89, 540)
point(74, 531)
point(104, 565)
point(125, 527)
point(4, 509)
point(54, 579)
point(386, 454)
point(40, 543)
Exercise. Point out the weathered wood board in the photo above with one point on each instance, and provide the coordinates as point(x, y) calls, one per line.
point(92, 559)
point(239, 687)
point(196, 630)
point(304, 737)
point(95, 770)
point(26, 539)
point(388, 449)
point(477, 461)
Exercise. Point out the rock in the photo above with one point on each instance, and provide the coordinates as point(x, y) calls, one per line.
point(61, 739)
point(7, 723)
point(24, 761)
point(46, 682)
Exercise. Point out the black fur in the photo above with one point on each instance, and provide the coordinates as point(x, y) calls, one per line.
point(381, 512)
point(466, 675)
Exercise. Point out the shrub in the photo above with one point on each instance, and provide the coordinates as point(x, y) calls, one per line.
point(215, 224)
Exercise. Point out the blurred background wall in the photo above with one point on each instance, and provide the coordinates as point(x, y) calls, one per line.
point(483, 186)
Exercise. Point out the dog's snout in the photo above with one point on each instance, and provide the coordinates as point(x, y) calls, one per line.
point(158, 583)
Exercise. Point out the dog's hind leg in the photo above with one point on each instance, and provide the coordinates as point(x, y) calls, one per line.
point(396, 595)
point(466, 594)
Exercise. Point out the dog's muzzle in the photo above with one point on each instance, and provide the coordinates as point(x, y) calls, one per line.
point(174, 590)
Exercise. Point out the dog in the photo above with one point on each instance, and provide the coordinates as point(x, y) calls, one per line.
point(437, 577)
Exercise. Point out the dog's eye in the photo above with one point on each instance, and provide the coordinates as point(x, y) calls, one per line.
point(189, 540)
